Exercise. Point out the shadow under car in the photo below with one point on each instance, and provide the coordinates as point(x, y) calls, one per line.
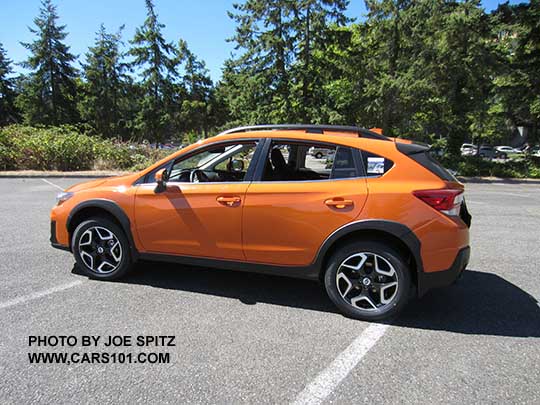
point(479, 303)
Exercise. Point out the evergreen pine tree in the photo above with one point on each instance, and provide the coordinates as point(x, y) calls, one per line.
point(199, 100)
point(8, 112)
point(314, 23)
point(49, 93)
point(258, 82)
point(104, 103)
point(156, 60)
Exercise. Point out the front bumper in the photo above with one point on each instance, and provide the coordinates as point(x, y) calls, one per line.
point(428, 281)
point(54, 241)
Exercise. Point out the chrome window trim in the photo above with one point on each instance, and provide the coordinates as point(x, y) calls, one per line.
point(200, 183)
point(259, 181)
point(307, 181)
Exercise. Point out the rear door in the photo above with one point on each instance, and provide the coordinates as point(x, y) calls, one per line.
point(299, 199)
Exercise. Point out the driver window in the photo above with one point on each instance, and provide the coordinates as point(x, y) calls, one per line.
point(222, 163)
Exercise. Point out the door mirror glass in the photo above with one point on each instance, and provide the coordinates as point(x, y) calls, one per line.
point(236, 165)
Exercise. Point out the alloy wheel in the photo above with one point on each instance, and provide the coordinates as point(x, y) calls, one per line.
point(367, 281)
point(100, 250)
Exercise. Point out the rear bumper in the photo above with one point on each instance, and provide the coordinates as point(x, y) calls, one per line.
point(54, 241)
point(428, 281)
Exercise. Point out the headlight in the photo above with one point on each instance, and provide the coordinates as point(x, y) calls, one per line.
point(63, 196)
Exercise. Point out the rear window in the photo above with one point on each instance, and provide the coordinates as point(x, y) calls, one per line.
point(429, 162)
point(420, 153)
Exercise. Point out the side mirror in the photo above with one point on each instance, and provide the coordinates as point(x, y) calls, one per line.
point(161, 180)
point(237, 165)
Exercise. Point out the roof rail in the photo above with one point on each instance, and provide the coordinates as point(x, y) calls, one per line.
point(315, 129)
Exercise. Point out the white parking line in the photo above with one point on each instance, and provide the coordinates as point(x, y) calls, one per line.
point(54, 185)
point(489, 192)
point(472, 202)
point(323, 385)
point(39, 294)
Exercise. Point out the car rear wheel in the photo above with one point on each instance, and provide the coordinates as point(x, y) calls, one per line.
point(101, 249)
point(318, 155)
point(368, 281)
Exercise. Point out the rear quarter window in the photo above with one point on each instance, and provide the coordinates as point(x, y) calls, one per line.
point(375, 165)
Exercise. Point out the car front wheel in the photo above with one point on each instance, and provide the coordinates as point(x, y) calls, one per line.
point(368, 281)
point(101, 249)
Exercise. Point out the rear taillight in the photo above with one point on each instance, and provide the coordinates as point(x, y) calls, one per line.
point(447, 201)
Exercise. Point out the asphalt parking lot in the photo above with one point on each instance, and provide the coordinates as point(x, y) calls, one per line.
point(246, 338)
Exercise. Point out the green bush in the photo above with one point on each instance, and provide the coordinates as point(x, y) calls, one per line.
point(66, 149)
point(471, 166)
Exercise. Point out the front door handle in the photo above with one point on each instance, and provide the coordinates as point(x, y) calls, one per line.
point(339, 203)
point(228, 201)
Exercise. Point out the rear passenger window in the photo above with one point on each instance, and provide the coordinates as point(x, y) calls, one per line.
point(375, 165)
point(344, 166)
point(295, 161)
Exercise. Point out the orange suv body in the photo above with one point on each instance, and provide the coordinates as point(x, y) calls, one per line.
point(256, 199)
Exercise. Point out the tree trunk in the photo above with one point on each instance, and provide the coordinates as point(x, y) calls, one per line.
point(389, 95)
point(305, 84)
point(283, 85)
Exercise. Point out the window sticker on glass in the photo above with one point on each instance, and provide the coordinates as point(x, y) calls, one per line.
point(375, 165)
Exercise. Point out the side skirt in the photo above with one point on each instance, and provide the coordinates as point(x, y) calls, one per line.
point(307, 272)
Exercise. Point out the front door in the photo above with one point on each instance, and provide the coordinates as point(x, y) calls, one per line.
point(200, 213)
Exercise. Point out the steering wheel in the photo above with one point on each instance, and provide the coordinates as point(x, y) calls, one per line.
point(198, 176)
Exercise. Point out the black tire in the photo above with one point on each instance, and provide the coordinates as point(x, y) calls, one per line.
point(318, 155)
point(124, 263)
point(390, 256)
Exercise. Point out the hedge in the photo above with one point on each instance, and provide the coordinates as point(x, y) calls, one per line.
point(66, 149)
point(472, 166)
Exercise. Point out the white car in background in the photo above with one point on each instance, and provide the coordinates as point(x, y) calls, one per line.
point(487, 152)
point(468, 149)
point(535, 151)
point(319, 153)
point(505, 151)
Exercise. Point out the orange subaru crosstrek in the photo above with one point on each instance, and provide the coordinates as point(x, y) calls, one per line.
point(374, 218)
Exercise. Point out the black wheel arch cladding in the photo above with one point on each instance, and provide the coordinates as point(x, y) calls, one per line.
point(89, 208)
point(399, 231)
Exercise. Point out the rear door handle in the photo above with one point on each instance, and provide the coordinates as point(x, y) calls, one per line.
point(228, 201)
point(339, 203)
